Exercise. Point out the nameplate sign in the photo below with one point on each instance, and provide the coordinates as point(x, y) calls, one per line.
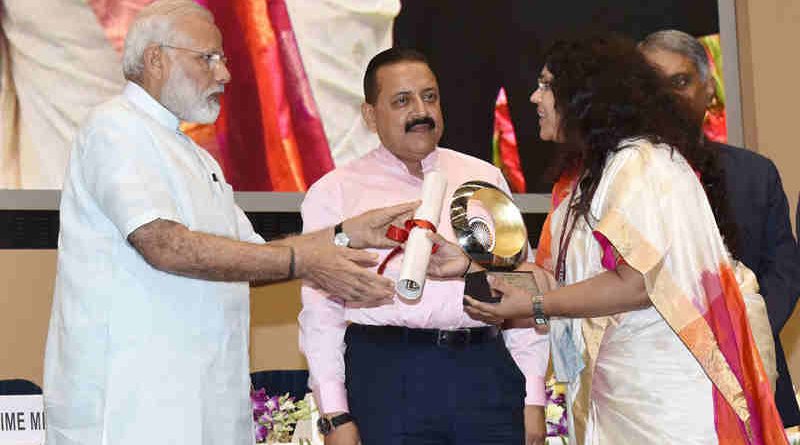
point(22, 420)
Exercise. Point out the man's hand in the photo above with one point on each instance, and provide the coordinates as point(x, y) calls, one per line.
point(346, 434)
point(535, 428)
point(449, 261)
point(369, 228)
point(340, 271)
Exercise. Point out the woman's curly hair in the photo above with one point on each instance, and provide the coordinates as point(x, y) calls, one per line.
point(605, 92)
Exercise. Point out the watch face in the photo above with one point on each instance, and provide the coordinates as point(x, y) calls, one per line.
point(341, 239)
point(324, 426)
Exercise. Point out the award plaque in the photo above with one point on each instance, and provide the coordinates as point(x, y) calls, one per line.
point(490, 229)
point(476, 285)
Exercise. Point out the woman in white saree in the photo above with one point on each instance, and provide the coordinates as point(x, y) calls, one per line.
point(647, 320)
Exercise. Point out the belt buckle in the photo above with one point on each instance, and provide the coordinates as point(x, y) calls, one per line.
point(455, 337)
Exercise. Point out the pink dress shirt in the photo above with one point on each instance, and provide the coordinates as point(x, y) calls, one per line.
point(379, 179)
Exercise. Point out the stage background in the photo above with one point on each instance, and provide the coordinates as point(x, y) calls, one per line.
point(768, 31)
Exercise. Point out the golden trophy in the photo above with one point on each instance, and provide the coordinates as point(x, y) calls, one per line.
point(490, 229)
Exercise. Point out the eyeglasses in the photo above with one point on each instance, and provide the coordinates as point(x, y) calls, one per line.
point(212, 59)
point(544, 85)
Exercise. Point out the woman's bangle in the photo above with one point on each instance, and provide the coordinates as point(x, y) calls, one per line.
point(466, 271)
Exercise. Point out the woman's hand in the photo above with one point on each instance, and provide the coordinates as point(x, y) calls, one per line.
point(544, 279)
point(515, 303)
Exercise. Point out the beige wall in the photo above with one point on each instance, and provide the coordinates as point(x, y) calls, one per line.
point(769, 35)
point(27, 276)
point(273, 327)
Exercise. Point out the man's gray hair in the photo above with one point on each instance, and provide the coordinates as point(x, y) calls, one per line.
point(681, 43)
point(155, 24)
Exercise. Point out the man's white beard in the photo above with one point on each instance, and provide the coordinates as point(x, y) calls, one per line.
point(180, 96)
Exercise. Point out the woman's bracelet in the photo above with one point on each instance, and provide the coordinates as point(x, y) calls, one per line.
point(538, 310)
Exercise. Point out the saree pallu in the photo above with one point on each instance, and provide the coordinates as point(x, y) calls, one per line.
point(685, 370)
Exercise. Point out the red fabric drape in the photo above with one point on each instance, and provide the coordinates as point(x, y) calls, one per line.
point(269, 136)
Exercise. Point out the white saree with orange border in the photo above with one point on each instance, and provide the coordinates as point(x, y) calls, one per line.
point(685, 370)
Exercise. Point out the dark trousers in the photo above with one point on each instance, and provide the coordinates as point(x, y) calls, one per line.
point(417, 393)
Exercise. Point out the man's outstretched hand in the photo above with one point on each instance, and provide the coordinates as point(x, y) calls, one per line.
point(369, 228)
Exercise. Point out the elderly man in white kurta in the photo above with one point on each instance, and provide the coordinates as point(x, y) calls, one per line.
point(148, 339)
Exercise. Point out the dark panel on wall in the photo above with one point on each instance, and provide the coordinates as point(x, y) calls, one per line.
point(38, 229)
point(476, 47)
point(534, 223)
point(276, 224)
point(28, 229)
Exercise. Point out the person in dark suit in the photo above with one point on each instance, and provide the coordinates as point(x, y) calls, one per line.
point(755, 198)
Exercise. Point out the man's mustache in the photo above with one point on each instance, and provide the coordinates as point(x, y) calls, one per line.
point(420, 120)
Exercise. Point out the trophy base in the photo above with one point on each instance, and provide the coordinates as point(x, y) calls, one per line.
point(477, 287)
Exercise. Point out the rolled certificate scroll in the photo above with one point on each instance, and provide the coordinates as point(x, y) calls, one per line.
point(417, 252)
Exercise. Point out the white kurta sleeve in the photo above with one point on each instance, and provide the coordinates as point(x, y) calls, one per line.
point(121, 169)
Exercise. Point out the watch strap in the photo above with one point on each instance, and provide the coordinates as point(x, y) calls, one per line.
point(538, 310)
point(327, 425)
point(341, 419)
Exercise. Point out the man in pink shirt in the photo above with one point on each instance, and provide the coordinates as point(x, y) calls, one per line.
point(421, 373)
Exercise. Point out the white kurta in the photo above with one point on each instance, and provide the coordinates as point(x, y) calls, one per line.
point(135, 355)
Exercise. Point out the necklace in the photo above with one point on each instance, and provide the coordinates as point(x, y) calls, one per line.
point(565, 238)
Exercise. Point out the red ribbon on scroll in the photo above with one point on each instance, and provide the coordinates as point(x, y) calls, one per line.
point(400, 235)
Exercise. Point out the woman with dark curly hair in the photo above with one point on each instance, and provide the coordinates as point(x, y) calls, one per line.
point(648, 320)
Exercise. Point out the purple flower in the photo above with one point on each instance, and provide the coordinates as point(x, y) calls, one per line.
point(558, 430)
point(261, 433)
point(258, 395)
point(265, 419)
point(275, 417)
point(273, 404)
point(258, 398)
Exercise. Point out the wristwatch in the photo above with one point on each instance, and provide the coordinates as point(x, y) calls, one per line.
point(538, 311)
point(339, 237)
point(326, 425)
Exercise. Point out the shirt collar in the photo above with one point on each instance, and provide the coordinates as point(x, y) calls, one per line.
point(145, 102)
point(430, 162)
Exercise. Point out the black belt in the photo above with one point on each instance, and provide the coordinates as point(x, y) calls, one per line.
point(439, 337)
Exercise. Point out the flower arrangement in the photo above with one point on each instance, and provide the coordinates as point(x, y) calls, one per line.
point(275, 417)
point(555, 411)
